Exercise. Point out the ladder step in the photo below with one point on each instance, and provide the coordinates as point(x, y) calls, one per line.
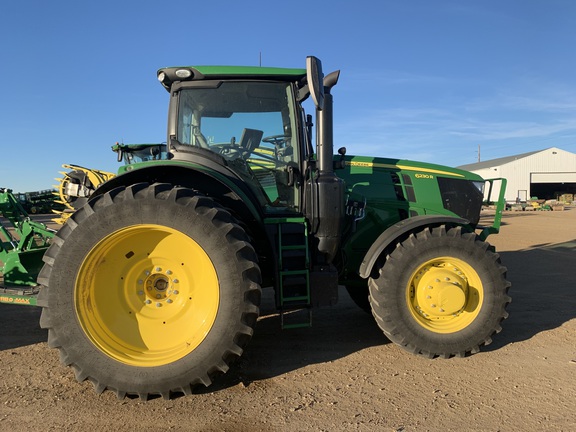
point(294, 262)
point(296, 301)
point(294, 247)
point(295, 298)
point(293, 272)
point(293, 283)
point(294, 288)
point(298, 318)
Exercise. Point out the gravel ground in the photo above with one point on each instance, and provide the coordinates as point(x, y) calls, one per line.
point(342, 374)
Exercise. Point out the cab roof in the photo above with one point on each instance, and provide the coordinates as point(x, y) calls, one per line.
point(168, 75)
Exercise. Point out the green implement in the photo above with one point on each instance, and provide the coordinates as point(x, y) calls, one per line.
point(22, 245)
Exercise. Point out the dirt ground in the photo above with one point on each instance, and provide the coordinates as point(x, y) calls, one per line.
point(342, 374)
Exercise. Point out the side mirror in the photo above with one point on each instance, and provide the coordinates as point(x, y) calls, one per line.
point(341, 164)
point(118, 149)
point(315, 79)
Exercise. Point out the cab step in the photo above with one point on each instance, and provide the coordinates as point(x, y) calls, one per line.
point(290, 235)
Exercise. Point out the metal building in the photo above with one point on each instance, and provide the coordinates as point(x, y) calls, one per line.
point(546, 174)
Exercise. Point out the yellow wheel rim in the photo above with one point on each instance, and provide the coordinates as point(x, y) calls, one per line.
point(445, 295)
point(147, 295)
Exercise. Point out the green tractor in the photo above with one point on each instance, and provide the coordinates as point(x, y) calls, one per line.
point(153, 286)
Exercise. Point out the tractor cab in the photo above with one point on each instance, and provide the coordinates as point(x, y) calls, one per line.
point(248, 123)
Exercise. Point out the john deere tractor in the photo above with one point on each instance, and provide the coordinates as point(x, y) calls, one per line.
point(152, 287)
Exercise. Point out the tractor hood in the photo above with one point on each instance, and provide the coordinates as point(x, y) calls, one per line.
point(418, 169)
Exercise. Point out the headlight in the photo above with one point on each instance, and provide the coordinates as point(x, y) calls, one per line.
point(183, 73)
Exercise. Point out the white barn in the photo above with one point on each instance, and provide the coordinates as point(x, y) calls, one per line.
point(545, 174)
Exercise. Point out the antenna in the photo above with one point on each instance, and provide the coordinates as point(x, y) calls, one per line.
point(478, 152)
point(260, 58)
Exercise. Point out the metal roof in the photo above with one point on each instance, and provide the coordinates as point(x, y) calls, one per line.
point(498, 162)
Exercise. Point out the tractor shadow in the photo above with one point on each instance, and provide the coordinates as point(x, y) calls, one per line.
point(336, 332)
point(20, 326)
point(543, 291)
point(543, 298)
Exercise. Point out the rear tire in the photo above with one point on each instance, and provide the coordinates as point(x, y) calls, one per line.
point(150, 290)
point(440, 293)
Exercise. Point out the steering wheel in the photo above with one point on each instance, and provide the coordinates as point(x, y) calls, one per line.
point(277, 140)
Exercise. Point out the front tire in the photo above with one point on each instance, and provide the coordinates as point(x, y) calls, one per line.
point(440, 293)
point(150, 289)
point(360, 295)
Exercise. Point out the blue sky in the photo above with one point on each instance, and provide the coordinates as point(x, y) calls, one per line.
point(423, 80)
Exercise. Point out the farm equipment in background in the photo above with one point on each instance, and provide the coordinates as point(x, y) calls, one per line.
point(22, 245)
point(153, 284)
point(75, 186)
point(78, 183)
point(39, 202)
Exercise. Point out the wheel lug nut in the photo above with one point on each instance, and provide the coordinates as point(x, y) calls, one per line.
point(168, 272)
point(158, 296)
point(140, 281)
point(140, 292)
point(176, 292)
point(148, 301)
point(169, 301)
point(175, 281)
point(158, 304)
point(158, 269)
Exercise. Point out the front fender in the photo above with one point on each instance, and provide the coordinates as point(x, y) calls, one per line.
point(399, 229)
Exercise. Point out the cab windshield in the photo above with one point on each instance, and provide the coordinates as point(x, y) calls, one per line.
point(250, 124)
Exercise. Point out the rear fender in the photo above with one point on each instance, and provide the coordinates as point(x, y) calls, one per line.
point(398, 230)
point(224, 187)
